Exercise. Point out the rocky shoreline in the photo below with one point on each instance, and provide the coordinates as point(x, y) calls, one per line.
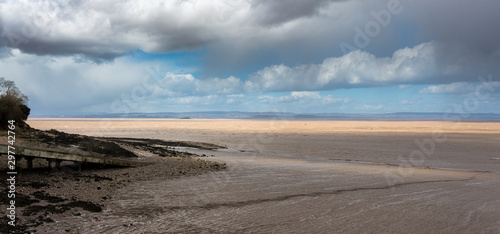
point(42, 196)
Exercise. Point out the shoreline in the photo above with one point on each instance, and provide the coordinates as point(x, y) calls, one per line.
point(250, 119)
point(151, 128)
point(42, 196)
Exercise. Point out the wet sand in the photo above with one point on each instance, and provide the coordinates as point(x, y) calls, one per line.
point(43, 196)
point(308, 176)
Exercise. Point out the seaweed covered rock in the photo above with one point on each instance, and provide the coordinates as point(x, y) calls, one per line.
point(85, 143)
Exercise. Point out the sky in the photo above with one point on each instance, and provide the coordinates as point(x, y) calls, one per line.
point(316, 56)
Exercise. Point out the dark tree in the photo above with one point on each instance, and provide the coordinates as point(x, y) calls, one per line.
point(12, 104)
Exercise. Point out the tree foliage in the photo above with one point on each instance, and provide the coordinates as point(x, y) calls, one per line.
point(13, 104)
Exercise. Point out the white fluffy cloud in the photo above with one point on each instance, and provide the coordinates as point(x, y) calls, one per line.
point(61, 83)
point(458, 87)
point(356, 69)
point(304, 97)
point(174, 85)
point(298, 102)
point(462, 88)
point(406, 67)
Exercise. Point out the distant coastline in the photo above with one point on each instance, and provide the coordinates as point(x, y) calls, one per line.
point(288, 115)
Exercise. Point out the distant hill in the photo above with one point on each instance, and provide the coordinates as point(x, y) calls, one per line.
point(288, 115)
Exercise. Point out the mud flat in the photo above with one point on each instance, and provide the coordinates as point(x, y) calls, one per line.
point(307, 176)
point(44, 196)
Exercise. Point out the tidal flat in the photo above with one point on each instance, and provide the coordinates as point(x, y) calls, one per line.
point(292, 176)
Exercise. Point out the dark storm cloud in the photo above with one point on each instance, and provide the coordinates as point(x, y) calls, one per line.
point(466, 33)
point(248, 37)
point(94, 50)
point(471, 23)
point(463, 33)
point(281, 11)
point(105, 30)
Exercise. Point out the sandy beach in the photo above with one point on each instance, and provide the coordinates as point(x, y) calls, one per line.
point(456, 145)
point(307, 176)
